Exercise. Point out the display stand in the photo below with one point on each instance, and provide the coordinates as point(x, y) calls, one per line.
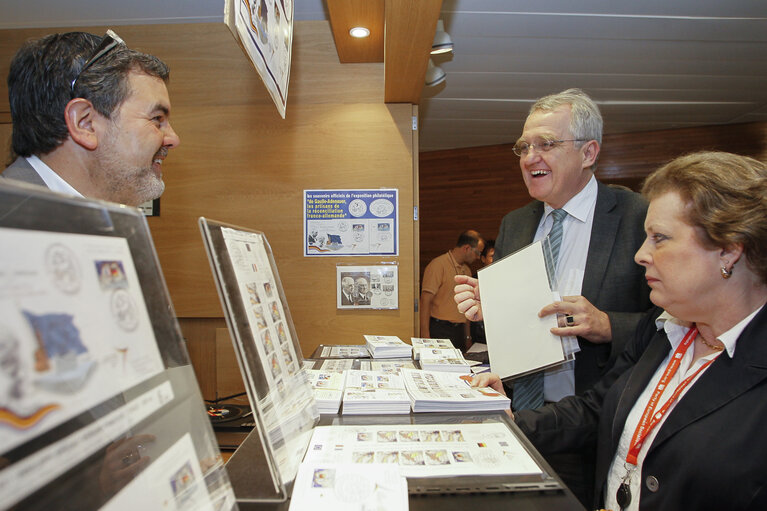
point(261, 470)
point(99, 405)
point(268, 353)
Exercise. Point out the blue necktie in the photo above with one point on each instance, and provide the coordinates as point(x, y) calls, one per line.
point(528, 390)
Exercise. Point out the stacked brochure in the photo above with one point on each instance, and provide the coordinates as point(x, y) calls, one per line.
point(375, 392)
point(443, 359)
point(387, 346)
point(424, 343)
point(328, 389)
point(389, 365)
point(434, 391)
point(342, 351)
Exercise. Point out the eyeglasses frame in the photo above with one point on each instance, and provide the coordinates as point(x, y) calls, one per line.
point(554, 143)
point(110, 41)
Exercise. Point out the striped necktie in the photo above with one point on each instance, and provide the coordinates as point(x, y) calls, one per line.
point(528, 390)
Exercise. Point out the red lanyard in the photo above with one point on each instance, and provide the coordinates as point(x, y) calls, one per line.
point(650, 418)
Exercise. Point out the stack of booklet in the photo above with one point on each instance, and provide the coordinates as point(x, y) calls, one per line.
point(424, 343)
point(444, 359)
point(388, 365)
point(328, 389)
point(374, 392)
point(433, 391)
point(387, 346)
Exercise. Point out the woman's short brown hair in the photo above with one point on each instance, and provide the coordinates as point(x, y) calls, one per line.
point(726, 196)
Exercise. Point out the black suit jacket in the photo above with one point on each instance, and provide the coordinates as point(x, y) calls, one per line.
point(710, 453)
point(612, 281)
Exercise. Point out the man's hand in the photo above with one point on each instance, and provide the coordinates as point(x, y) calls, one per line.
point(467, 297)
point(587, 321)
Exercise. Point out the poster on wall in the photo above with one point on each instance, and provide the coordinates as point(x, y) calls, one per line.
point(264, 28)
point(351, 222)
point(367, 287)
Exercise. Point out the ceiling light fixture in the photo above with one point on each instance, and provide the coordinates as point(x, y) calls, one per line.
point(434, 75)
point(442, 41)
point(359, 32)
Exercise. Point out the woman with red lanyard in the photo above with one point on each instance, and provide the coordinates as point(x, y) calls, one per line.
point(679, 422)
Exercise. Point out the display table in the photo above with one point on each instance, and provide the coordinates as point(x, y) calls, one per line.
point(249, 474)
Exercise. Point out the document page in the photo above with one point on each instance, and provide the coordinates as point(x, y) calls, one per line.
point(513, 290)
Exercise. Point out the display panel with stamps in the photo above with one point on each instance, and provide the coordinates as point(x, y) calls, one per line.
point(266, 345)
point(98, 399)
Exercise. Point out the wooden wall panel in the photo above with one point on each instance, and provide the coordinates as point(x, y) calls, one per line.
point(474, 188)
point(239, 162)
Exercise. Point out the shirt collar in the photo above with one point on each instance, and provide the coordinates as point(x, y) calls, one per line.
point(581, 204)
point(452, 260)
point(52, 180)
point(676, 329)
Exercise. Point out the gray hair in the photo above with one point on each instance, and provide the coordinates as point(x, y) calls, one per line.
point(585, 119)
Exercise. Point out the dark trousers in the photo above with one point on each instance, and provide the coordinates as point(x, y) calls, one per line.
point(441, 329)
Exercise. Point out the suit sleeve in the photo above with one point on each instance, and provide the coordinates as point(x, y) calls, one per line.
point(500, 241)
point(572, 423)
point(624, 323)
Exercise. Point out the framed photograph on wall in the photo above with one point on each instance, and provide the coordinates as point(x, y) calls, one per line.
point(367, 287)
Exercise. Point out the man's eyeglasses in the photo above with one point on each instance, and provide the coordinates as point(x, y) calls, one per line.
point(522, 148)
point(109, 41)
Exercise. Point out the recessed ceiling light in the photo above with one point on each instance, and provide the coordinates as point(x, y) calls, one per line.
point(359, 32)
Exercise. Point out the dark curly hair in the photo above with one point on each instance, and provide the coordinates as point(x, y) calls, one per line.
point(40, 78)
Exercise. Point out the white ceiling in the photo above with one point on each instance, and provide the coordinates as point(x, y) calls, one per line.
point(650, 64)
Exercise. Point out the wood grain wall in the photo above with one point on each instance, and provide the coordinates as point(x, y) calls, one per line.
point(474, 188)
point(240, 163)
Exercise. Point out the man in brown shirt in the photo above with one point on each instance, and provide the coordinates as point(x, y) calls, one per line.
point(439, 314)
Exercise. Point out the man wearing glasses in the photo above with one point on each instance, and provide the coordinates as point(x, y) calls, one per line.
point(439, 317)
point(91, 117)
point(599, 230)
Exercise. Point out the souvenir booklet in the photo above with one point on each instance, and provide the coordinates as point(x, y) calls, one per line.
point(328, 389)
point(387, 346)
point(437, 391)
point(374, 393)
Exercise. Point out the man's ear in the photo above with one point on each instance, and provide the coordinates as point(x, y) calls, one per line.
point(590, 153)
point(81, 122)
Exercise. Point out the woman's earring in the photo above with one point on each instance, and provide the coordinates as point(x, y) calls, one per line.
point(726, 274)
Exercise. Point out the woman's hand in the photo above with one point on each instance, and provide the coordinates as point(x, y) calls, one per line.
point(493, 381)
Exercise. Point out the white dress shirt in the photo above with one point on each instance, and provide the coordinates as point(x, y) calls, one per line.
point(559, 382)
point(52, 180)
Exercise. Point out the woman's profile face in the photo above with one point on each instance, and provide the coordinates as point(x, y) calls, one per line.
point(683, 275)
